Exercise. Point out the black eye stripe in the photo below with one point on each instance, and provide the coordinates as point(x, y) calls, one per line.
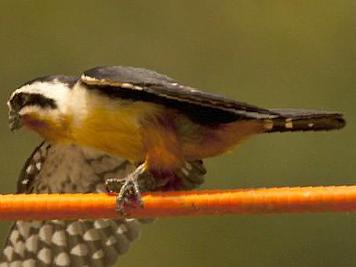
point(21, 100)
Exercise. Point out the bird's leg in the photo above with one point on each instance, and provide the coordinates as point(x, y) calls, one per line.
point(129, 191)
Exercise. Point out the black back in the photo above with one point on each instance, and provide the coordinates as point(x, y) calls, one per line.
point(153, 87)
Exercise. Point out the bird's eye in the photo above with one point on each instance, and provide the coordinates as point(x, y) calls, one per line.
point(18, 101)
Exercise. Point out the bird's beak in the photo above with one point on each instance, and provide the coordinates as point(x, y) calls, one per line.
point(15, 120)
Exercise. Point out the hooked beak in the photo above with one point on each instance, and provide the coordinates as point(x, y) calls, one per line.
point(15, 120)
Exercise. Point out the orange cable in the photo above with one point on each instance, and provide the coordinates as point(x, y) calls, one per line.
point(191, 203)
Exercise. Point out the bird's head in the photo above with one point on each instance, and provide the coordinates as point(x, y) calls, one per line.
point(41, 105)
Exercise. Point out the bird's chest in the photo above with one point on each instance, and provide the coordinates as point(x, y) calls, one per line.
point(115, 130)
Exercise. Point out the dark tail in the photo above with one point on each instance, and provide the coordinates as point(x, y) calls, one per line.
point(290, 120)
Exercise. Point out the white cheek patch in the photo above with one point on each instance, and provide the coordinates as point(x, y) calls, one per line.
point(30, 109)
point(40, 111)
point(77, 103)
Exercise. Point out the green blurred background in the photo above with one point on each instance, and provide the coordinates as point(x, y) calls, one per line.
point(269, 53)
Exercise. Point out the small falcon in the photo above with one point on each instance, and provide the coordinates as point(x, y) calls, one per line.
point(153, 121)
point(161, 127)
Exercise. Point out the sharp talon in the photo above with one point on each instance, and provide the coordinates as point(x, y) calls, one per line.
point(128, 190)
point(129, 194)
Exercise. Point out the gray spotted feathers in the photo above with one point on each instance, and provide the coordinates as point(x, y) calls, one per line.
point(70, 169)
point(59, 169)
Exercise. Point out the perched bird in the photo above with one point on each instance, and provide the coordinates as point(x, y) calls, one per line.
point(161, 127)
point(151, 120)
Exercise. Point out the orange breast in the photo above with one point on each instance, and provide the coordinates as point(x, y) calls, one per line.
point(209, 141)
point(116, 129)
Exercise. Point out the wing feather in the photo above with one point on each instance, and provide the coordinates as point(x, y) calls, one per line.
point(146, 85)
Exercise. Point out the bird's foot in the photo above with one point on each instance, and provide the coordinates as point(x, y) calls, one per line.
point(128, 190)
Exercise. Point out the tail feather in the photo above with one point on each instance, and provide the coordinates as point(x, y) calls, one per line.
point(291, 120)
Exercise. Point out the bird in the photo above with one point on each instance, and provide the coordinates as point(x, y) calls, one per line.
point(155, 122)
point(129, 130)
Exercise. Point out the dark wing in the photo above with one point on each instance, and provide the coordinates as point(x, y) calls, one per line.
point(32, 168)
point(146, 85)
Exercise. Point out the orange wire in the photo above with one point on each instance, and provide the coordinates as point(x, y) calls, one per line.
point(191, 203)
